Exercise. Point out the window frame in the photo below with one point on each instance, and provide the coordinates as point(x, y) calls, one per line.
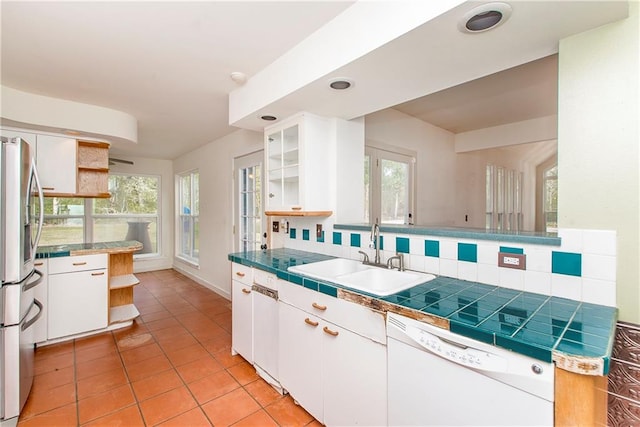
point(376, 152)
point(157, 215)
point(193, 217)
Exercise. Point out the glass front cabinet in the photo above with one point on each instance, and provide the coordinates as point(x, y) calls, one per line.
point(297, 164)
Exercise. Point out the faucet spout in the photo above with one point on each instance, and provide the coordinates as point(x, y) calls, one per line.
point(375, 241)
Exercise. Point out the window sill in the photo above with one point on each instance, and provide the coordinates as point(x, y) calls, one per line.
point(189, 261)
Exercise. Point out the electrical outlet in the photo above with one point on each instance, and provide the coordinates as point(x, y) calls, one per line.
point(509, 260)
point(318, 230)
point(275, 227)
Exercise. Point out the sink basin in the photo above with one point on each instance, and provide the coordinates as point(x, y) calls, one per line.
point(355, 275)
point(329, 269)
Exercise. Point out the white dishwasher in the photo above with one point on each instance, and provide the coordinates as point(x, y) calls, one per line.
point(439, 378)
point(265, 327)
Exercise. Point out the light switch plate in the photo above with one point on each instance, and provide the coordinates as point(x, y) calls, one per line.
point(275, 227)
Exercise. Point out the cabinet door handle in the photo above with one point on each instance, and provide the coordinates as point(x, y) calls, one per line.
point(100, 273)
point(330, 332)
point(39, 264)
point(48, 188)
point(80, 263)
point(318, 306)
point(310, 322)
point(239, 274)
point(246, 291)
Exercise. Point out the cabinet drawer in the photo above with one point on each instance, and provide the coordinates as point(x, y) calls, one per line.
point(77, 263)
point(242, 273)
point(356, 318)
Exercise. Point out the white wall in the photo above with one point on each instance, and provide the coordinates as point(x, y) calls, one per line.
point(598, 143)
point(436, 162)
point(164, 169)
point(214, 161)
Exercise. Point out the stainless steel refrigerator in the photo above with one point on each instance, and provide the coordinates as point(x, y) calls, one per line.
point(21, 216)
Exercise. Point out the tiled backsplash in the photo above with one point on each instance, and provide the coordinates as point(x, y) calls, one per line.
point(582, 268)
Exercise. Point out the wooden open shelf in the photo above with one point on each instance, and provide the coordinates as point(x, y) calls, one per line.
point(298, 213)
point(93, 169)
point(121, 283)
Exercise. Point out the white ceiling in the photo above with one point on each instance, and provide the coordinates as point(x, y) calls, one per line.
point(168, 63)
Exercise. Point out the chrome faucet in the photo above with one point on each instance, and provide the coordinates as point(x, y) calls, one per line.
point(365, 259)
point(400, 259)
point(375, 241)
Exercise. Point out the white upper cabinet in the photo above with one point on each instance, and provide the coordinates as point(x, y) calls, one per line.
point(56, 160)
point(297, 160)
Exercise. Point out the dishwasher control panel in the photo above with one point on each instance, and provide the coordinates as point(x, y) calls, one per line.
point(460, 354)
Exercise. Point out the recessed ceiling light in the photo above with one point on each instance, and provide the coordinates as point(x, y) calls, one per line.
point(340, 84)
point(268, 118)
point(484, 17)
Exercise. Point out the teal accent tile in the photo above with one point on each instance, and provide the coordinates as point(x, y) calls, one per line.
point(381, 243)
point(328, 290)
point(402, 245)
point(310, 284)
point(294, 278)
point(528, 349)
point(305, 234)
point(471, 332)
point(321, 238)
point(282, 275)
point(508, 250)
point(355, 240)
point(292, 233)
point(432, 248)
point(468, 252)
point(337, 238)
point(567, 263)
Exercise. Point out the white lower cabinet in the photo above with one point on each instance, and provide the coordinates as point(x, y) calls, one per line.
point(78, 295)
point(338, 375)
point(242, 311)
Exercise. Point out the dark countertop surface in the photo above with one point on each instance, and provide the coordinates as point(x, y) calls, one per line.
point(578, 336)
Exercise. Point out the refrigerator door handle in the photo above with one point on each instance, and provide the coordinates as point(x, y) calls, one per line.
point(35, 283)
point(34, 175)
point(26, 325)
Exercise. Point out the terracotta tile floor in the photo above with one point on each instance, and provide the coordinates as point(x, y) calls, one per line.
point(172, 367)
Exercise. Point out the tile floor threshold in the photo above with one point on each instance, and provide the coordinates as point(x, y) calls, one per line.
point(172, 367)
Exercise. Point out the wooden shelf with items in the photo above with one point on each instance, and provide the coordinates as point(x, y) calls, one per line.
point(121, 284)
point(93, 169)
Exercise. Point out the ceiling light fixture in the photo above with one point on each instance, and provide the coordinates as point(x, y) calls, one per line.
point(340, 84)
point(484, 18)
point(268, 118)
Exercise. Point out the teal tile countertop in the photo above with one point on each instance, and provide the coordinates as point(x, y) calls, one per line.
point(578, 336)
point(53, 251)
point(533, 237)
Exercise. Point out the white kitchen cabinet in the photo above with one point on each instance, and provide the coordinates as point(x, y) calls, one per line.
point(41, 293)
point(78, 295)
point(297, 159)
point(242, 311)
point(301, 358)
point(333, 357)
point(56, 159)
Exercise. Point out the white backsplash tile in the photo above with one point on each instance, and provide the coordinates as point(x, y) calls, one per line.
point(448, 249)
point(538, 259)
point(537, 282)
point(489, 274)
point(512, 279)
point(601, 267)
point(566, 286)
point(571, 239)
point(432, 265)
point(449, 268)
point(468, 271)
point(599, 242)
point(599, 292)
point(488, 253)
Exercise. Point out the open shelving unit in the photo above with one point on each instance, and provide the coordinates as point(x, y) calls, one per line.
point(121, 284)
point(93, 169)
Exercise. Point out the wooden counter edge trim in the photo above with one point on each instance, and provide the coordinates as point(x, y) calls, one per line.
point(106, 250)
point(384, 306)
point(592, 366)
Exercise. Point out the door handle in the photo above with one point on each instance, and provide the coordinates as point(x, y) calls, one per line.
point(310, 322)
point(80, 263)
point(330, 332)
point(33, 284)
point(98, 274)
point(239, 274)
point(26, 325)
point(246, 291)
point(319, 307)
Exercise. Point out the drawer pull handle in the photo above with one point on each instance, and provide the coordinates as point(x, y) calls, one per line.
point(48, 188)
point(39, 264)
point(310, 322)
point(239, 274)
point(330, 332)
point(246, 291)
point(98, 274)
point(318, 306)
point(80, 263)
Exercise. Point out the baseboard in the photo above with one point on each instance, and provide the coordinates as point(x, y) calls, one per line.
point(199, 280)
